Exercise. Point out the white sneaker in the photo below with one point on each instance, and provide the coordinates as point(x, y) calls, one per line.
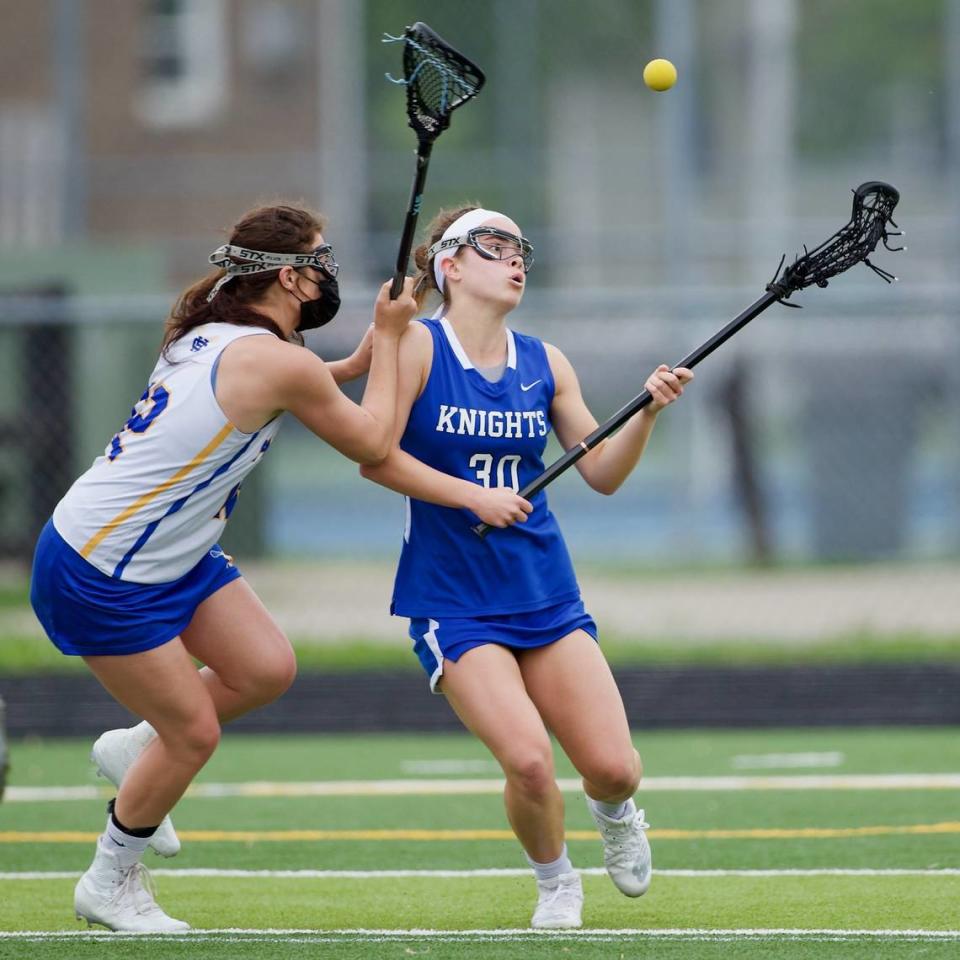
point(626, 850)
point(560, 903)
point(121, 898)
point(112, 754)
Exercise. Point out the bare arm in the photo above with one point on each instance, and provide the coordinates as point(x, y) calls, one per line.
point(609, 463)
point(261, 376)
point(405, 474)
point(357, 364)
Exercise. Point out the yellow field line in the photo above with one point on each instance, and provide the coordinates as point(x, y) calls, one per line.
point(291, 836)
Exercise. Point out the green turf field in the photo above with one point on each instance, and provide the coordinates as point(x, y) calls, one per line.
point(342, 815)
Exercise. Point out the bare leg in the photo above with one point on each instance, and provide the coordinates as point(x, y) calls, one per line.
point(571, 684)
point(163, 686)
point(578, 699)
point(486, 690)
point(249, 661)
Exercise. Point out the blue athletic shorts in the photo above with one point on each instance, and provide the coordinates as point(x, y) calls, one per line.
point(450, 638)
point(87, 613)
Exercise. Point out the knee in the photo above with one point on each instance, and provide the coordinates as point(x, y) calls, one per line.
point(531, 772)
point(269, 677)
point(617, 776)
point(277, 673)
point(197, 739)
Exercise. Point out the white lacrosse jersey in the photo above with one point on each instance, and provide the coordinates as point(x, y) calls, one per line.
point(159, 497)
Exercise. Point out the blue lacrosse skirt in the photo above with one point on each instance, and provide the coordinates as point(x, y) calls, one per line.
point(87, 613)
point(449, 638)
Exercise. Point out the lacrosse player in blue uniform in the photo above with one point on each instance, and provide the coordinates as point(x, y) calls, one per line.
point(498, 624)
point(128, 574)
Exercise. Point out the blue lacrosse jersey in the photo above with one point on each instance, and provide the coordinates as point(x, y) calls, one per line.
point(492, 434)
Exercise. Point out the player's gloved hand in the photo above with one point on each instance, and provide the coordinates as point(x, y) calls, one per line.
point(499, 506)
point(392, 316)
point(666, 385)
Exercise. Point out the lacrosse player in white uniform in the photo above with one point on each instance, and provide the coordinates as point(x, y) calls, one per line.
point(128, 573)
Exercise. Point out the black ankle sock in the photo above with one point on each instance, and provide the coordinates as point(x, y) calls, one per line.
point(129, 831)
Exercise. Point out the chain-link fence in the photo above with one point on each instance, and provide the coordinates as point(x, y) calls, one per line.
point(822, 435)
point(830, 434)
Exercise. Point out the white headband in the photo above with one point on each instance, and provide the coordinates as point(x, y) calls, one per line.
point(460, 226)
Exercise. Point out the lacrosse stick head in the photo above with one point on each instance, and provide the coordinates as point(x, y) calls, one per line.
point(438, 80)
point(869, 225)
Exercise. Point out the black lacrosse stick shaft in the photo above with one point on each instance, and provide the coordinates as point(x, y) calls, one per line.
point(640, 401)
point(413, 212)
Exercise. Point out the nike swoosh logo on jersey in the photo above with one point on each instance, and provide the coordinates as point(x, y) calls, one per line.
point(528, 386)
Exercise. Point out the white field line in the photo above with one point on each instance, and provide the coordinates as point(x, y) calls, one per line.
point(367, 788)
point(488, 872)
point(745, 761)
point(770, 761)
point(449, 767)
point(295, 935)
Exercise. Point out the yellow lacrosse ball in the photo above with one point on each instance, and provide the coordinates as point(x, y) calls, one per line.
point(660, 75)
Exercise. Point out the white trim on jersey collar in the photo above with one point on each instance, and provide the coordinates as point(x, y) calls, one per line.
point(455, 344)
point(461, 354)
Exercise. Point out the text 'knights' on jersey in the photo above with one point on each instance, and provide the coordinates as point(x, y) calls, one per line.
point(492, 434)
point(512, 424)
point(151, 506)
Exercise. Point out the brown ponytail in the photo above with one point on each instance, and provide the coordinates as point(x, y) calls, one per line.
point(425, 281)
point(275, 229)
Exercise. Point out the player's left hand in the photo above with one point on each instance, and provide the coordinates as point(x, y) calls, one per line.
point(666, 385)
point(361, 358)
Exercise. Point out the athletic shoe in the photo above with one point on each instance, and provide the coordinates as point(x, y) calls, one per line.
point(560, 903)
point(121, 898)
point(112, 754)
point(626, 850)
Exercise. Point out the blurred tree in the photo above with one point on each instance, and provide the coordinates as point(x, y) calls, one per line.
point(853, 57)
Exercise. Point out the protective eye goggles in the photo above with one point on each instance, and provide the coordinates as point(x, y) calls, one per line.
point(491, 244)
point(258, 261)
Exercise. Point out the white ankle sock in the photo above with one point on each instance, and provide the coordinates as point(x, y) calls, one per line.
point(613, 811)
point(552, 870)
point(126, 848)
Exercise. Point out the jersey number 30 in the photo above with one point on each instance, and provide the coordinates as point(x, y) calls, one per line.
point(483, 464)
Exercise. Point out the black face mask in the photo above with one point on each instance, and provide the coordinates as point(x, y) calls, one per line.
point(317, 313)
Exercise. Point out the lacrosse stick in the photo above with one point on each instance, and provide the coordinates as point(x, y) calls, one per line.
point(438, 80)
point(873, 205)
